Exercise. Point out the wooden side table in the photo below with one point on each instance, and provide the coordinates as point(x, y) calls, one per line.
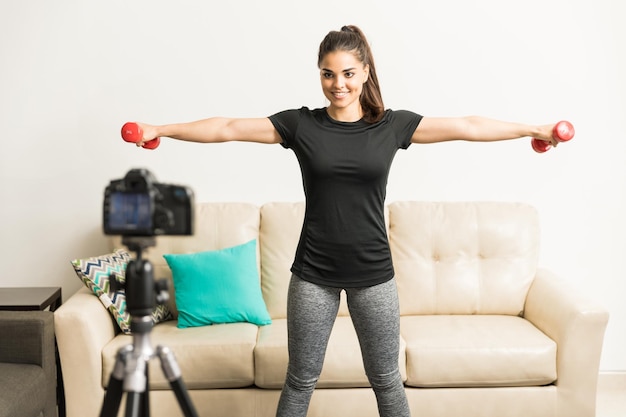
point(27, 298)
point(36, 298)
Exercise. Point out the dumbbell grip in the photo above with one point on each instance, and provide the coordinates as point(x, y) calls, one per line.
point(132, 132)
point(562, 132)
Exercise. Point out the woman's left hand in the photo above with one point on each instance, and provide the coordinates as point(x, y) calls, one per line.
point(546, 134)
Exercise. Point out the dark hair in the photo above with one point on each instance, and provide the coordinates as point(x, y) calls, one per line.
point(351, 39)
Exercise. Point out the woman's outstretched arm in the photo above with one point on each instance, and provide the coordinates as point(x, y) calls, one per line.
point(213, 130)
point(478, 129)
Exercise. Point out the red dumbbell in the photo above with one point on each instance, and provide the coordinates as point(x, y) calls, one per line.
point(131, 132)
point(562, 132)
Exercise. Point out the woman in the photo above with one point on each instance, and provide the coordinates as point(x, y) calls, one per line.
point(345, 152)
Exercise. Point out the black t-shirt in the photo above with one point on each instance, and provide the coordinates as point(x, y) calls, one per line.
point(344, 167)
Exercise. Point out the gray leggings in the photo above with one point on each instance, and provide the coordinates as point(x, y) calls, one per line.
point(311, 313)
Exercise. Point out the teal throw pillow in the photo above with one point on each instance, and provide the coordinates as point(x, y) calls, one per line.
point(220, 286)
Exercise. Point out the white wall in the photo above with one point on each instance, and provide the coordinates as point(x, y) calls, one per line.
point(73, 71)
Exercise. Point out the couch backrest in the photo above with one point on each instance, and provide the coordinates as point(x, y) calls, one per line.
point(463, 257)
point(449, 258)
point(280, 230)
point(281, 224)
point(216, 226)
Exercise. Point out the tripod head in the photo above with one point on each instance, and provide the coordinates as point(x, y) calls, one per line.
point(143, 293)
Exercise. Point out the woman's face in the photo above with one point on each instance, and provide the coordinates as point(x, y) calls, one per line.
point(342, 76)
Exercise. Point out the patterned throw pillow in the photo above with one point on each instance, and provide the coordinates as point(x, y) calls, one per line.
point(96, 272)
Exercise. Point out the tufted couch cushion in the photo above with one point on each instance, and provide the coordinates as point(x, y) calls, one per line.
point(476, 351)
point(343, 366)
point(463, 258)
point(217, 356)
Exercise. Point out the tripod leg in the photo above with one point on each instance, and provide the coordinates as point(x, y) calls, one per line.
point(136, 386)
point(138, 403)
point(174, 376)
point(113, 396)
point(145, 405)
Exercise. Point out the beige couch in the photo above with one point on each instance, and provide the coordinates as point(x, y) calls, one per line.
point(485, 332)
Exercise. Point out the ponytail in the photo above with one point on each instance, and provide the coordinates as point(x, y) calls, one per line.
point(351, 39)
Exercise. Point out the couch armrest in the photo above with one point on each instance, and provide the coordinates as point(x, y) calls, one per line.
point(577, 324)
point(83, 327)
point(28, 337)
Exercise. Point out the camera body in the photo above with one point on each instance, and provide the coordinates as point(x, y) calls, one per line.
point(137, 205)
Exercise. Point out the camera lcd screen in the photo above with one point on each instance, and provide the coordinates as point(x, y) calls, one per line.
point(130, 211)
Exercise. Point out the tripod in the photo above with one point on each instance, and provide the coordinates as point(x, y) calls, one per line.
point(130, 373)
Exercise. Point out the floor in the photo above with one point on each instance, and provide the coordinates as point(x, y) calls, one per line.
point(611, 395)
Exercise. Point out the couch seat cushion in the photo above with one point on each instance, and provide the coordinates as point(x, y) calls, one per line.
point(476, 350)
point(343, 365)
point(216, 356)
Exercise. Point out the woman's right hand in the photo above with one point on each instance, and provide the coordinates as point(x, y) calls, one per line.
point(150, 132)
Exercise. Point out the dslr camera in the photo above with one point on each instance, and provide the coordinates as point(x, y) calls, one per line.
point(138, 206)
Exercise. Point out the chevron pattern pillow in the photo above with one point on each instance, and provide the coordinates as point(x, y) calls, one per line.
point(95, 273)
